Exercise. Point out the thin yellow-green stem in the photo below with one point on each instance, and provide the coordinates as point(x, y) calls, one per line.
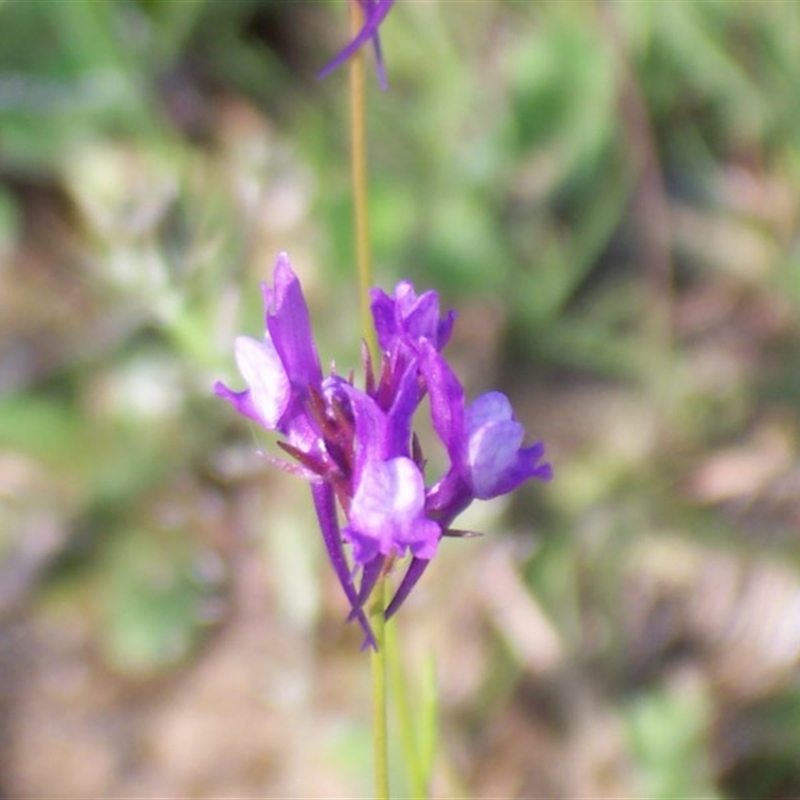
point(377, 600)
point(379, 720)
point(409, 740)
point(358, 154)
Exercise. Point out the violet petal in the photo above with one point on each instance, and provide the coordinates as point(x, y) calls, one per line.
point(325, 506)
point(379, 10)
point(241, 401)
point(369, 577)
point(447, 403)
point(289, 325)
point(495, 461)
point(409, 318)
point(387, 514)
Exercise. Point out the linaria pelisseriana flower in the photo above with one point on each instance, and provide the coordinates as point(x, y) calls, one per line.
point(375, 12)
point(356, 446)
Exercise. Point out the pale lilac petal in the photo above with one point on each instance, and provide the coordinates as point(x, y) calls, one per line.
point(491, 451)
point(419, 316)
point(387, 512)
point(495, 461)
point(493, 440)
point(261, 367)
point(527, 465)
point(241, 401)
point(489, 407)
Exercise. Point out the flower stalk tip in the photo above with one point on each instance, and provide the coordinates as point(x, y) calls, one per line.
point(374, 13)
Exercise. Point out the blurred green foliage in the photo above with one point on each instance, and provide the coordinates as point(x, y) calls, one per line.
point(667, 731)
point(619, 179)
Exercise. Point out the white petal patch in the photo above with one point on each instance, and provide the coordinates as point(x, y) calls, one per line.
point(263, 371)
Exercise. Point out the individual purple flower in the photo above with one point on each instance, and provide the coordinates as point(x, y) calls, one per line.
point(357, 447)
point(409, 318)
point(375, 12)
point(483, 441)
point(402, 324)
point(282, 369)
point(286, 393)
point(496, 462)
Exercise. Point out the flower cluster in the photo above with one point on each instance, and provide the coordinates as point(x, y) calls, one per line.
point(375, 12)
point(356, 446)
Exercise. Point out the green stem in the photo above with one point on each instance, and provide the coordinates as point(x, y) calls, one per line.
point(358, 150)
point(378, 663)
point(408, 739)
point(377, 600)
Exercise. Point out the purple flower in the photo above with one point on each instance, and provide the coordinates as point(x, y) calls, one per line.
point(496, 462)
point(375, 12)
point(409, 319)
point(483, 440)
point(357, 447)
point(484, 443)
point(282, 369)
